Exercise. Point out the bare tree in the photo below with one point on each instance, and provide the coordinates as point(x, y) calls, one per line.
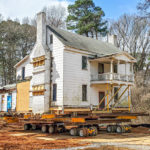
point(144, 8)
point(25, 20)
point(1, 17)
point(133, 36)
point(56, 16)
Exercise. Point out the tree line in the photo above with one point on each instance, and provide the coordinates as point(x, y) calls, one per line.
point(84, 17)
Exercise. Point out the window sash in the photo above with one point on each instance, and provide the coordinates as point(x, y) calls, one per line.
point(23, 73)
point(84, 92)
point(115, 68)
point(100, 68)
point(54, 92)
point(84, 62)
point(51, 39)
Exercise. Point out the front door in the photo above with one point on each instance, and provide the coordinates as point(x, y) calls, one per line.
point(101, 95)
point(9, 102)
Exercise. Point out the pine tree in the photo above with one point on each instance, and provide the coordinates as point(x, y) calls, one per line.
point(86, 19)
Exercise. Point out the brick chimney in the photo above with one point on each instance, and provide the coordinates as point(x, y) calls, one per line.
point(41, 28)
point(112, 39)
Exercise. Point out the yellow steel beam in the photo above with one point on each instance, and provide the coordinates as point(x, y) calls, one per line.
point(82, 120)
point(48, 116)
point(127, 117)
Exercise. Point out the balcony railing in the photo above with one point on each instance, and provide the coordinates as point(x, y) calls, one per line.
point(112, 76)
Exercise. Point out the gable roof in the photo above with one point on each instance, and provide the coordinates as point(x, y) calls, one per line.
point(84, 43)
point(21, 61)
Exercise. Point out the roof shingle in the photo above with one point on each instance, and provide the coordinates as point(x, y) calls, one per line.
point(84, 43)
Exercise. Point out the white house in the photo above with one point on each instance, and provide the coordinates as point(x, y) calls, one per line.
point(67, 72)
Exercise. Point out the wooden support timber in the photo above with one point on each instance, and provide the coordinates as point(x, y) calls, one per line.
point(129, 100)
point(120, 97)
point(104, 99)
point(113, 97)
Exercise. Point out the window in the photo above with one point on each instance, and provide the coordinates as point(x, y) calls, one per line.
point(51, 39)
point(100, 68)
point(54, 92)
point(23, 73)
point(116, 96)
point(115, 68)
point(131, 68)
point(84, 62)
point(84, 92)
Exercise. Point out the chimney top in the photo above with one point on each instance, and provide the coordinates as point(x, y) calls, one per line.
point(112, 38)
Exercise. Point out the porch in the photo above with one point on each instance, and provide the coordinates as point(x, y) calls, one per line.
point(112, 69)
point(111, 97)
point(112, 76)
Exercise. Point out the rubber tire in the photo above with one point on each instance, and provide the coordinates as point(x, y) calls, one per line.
point(60, 129)
point(51, 129)
point(87, 132)
point(109, 129)
point(34, 127)
point(114, 127)
point(82, 132)
point(119, 129)
point(44, 128)
point(73, 132)
point(26, 126)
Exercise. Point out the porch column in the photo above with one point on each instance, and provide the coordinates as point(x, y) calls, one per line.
point(129, 100)
point(111, 70)
point(118, 70)
point(126, 77)
point(107, 99)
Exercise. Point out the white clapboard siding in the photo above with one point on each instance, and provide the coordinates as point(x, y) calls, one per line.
point(28, 68)
point(57, 74)
point(74, 78)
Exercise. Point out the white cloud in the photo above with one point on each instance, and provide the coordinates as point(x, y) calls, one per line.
point(26, 8)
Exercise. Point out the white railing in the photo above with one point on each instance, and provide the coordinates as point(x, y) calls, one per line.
point(112, 76)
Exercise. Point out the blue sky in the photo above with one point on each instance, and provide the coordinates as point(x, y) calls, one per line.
point(114, 8)
point(23, 8)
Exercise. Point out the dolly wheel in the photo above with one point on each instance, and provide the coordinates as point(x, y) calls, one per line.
point(26, 126)
point(119, 129)
point(44, 128)
point(51, 129)
point(34, 126)
point(73, 131)
point(83, 132)
point(109, 129)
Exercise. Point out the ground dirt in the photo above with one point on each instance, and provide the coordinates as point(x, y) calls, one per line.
point(13, 137)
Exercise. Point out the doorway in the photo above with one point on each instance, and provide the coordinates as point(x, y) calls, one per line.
point(9, 102)
point(101, 95)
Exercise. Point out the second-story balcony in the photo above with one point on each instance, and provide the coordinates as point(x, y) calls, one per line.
point(112, 77)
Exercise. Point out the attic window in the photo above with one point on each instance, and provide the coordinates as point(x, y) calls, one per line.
point(51, 39)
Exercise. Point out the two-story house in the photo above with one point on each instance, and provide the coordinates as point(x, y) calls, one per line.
point(67, 72)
